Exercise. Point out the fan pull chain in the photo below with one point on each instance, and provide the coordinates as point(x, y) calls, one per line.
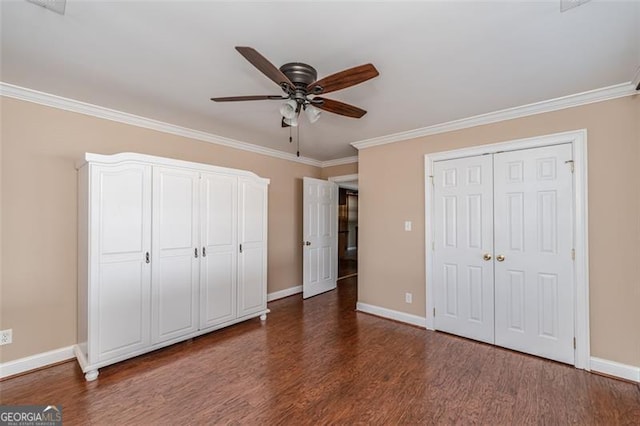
point(298, 130)
point(290, 138)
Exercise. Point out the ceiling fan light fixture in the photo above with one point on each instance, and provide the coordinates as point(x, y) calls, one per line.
point(288, 109)
point(313, 113)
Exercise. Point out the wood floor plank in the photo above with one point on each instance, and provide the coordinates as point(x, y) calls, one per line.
point(319, 362)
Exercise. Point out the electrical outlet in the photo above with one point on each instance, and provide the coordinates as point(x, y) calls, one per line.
point(6, 337)
point(408, 298)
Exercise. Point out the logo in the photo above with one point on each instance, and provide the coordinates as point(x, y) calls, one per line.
point(30, 415)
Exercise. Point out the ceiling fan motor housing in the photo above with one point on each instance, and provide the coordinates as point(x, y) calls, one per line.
point(301, 75)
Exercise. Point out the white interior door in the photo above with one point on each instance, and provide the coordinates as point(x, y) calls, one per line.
point(218, 265)
point(174, 311)
point(533, 250)
point(320, 233)
point(122, 220)
point(463, 266)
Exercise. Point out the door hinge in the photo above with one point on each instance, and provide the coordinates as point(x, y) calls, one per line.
point(573, 254)
point(434, 312)
point(571, 165)
point(574, 343)
point(432, 182)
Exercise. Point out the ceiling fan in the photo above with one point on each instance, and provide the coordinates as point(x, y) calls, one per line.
point(301, 89)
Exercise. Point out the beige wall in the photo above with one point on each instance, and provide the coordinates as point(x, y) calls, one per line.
point(391, 190)
point(40, 146)
point(341, 170)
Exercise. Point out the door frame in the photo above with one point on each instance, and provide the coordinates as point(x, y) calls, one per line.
point(578, 141)
point(340, 180)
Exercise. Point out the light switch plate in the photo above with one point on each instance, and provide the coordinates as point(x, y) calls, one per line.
point(407, 225)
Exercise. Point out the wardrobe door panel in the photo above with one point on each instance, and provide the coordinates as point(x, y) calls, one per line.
point(119, 305)
point(175, 253)
point(218, 284)
point(252, 259)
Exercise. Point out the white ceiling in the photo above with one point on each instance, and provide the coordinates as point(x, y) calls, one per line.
point(438, 61)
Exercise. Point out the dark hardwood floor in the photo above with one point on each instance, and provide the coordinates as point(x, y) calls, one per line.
point(319, 362)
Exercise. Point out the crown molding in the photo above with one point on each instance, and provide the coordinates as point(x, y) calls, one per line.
point(584, 98)
point(47, 99)
point(340, 161)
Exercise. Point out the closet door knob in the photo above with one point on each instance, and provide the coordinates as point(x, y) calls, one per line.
point(486, 256)
point(500, 257)
point(146, 258)
point(195, 252)
point(204, 252)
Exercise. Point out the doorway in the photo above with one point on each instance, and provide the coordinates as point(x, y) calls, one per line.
point(506, 294)
point(347, 256)
point(347, 233)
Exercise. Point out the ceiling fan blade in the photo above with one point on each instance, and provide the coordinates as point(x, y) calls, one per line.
point(249, 98)
point(338, 107)
point(343, 79)
point(266, 67)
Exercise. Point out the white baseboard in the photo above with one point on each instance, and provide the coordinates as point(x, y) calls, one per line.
point(612, 368)
point(391, 314)
point(33, 362)
point(284, 293)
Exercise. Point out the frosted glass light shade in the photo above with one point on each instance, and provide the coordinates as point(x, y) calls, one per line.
point(288, 109)
point(313, 113)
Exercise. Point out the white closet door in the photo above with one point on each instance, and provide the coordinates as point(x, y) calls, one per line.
point(175, 253)
point(320, 233)
point(533, 231)
point(252, 256)
point(121, 241)
point(218, 271)
point(463, 268)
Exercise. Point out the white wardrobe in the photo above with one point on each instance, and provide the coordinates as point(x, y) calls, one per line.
point(168, 250)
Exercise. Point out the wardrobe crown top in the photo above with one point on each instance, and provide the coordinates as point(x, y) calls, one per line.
point(152, 160)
